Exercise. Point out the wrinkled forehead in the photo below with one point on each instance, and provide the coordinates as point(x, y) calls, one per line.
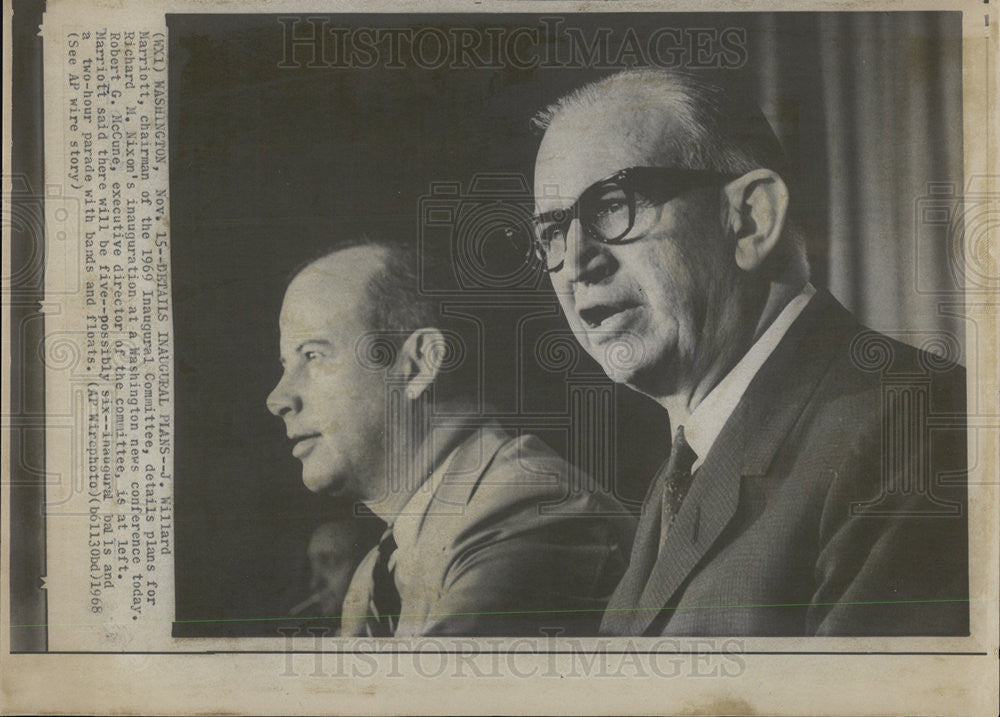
point(584, 145)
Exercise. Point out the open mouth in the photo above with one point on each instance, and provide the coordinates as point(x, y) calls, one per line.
point(595, 316)
point(303, 444)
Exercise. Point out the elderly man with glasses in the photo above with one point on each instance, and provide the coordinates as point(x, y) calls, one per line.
point(805, 493)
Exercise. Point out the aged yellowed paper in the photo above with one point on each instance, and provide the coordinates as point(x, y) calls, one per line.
point(500, 357)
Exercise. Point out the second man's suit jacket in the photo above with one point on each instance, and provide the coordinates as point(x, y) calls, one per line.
point(833, 502)
point(513, 542)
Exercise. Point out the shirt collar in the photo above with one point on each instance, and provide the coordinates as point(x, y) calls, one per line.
point(708, 419)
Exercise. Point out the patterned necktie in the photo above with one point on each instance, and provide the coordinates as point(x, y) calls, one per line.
point(385, 602)
point(666, 493)
point(677, 480)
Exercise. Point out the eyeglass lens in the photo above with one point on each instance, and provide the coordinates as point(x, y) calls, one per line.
point(605, 212)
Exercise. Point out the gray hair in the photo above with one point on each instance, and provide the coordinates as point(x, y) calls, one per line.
point(716, 128)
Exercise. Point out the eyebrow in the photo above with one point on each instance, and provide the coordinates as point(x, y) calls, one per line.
point(321, 342)
point(573, 207)
point(552, 214)
point(307, 342)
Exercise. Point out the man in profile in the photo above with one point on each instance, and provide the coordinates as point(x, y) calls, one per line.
point(484, 534)
point(805, 493)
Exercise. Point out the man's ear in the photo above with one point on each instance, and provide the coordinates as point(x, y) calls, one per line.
point(757, 204)
point(420, 360)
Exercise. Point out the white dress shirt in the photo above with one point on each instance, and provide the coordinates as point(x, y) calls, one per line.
point(708, 419)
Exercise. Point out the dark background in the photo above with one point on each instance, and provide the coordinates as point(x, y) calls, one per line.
point(269, 164)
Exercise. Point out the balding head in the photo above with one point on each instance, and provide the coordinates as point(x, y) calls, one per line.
point(677, 119)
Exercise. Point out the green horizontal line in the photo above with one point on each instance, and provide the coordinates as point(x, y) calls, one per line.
point(537, 612)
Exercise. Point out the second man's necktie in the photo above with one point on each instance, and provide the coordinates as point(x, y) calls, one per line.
point(385, 604)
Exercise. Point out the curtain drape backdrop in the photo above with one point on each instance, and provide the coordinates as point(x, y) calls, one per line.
point(887, 89)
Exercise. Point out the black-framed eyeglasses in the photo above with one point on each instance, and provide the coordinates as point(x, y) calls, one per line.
point(607, 209)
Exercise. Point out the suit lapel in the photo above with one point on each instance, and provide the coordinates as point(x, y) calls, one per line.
point(746, 446)
point(451, 485)
point(707, 509)
point(463, 469)
point(620, 611)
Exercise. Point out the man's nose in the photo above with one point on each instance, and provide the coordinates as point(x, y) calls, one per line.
point(283, 399)
point(587, 260)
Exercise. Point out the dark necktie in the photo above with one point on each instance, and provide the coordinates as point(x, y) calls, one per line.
point(666, 493)
point(386, 605)
point(677, 480)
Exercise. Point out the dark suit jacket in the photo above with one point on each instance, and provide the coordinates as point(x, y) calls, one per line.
point(832, 503)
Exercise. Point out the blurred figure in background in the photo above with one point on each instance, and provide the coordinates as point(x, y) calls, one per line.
point(334, 551)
